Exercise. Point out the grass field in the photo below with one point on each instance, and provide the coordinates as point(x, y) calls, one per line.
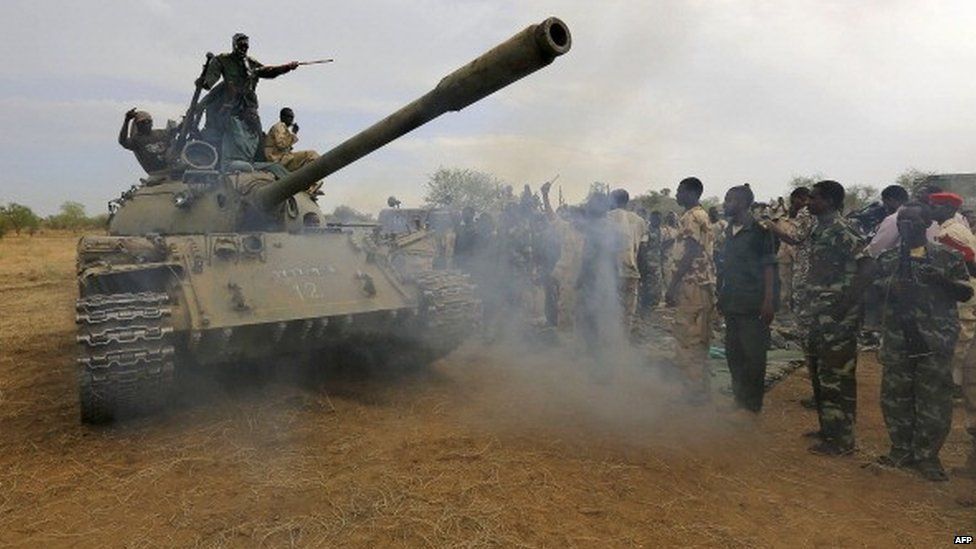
point(484, 449)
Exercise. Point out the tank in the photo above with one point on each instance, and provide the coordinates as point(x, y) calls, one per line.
point(203, 266)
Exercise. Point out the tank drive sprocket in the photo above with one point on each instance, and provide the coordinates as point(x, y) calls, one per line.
point(126, 361)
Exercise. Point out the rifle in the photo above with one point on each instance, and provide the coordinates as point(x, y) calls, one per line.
point(192, 117)
point(868, 218)
point(907, 286)
point(316, 62)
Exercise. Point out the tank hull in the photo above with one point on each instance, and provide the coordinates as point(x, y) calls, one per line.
point(150, 307)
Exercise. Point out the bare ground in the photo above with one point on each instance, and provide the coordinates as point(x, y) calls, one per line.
point(483, 449)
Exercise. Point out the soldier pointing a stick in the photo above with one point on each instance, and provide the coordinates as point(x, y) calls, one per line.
point(232, 106)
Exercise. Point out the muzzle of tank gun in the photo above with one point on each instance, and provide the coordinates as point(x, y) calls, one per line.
point(519, 56)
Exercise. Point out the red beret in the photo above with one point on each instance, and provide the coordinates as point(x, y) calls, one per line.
point(947, 199)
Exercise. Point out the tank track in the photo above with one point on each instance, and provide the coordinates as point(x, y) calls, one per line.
point(126, 358)
point(450, 309)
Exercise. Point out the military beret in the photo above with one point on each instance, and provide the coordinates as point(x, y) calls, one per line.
point(945, 199)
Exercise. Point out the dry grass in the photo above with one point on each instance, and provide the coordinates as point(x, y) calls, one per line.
point(463, 457)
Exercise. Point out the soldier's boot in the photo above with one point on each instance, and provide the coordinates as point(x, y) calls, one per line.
point(931, 469)
point(830, 448)
point(968, 469)
point(897, 458)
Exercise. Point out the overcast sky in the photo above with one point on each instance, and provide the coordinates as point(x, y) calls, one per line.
point(730, 91)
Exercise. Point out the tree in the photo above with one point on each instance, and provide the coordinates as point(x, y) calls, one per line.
point(72, 215)
point(458, 188)
point(347, 214)
point(711, 201)
point(911, 177)
point(805, 180)
point(859, 196)
point(19, 217)
point(657, 201)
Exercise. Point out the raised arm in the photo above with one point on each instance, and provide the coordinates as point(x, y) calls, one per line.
point(124, 132)
point(546, 205)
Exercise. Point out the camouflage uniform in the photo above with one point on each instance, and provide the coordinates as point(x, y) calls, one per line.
point(919, 330)
point(630, 232)
point(278, 148)
point(650, 260)
point(668, 236)
point(802, 227)
point(719, 229)
point(695, 299)
point(831, 348)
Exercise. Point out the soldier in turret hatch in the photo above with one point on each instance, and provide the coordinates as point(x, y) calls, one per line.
point(147, 144)
point(232, 106)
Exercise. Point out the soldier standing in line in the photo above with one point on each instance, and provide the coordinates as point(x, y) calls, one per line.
point(795, 233)
point(955, 234)
point(746, 298)
point(691, 291)
point(650, 261)
point(921, 283)
point(718, 234)
point(233, 104)
point(669, 232)
point(631, 232)
point(834, 286)
point(598, 297)
point(568, 241)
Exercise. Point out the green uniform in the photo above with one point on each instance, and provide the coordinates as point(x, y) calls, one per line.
point(834, 250)
point(919, 329)
point(232, 107)
point(150, 149)
point(650, 261)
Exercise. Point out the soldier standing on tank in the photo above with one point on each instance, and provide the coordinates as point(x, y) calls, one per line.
point(921, 283)
point(834, 285)
point(692, 290)
point(148, 145)
point(234, 102)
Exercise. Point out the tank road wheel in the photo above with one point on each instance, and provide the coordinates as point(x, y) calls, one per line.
point(450, 309)
point(126, 359)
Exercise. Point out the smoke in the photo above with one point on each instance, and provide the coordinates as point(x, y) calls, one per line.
point(588, 377)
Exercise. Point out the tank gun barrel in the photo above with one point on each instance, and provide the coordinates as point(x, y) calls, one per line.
point(521, 55)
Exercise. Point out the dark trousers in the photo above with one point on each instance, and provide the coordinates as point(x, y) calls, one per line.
point(746, 341)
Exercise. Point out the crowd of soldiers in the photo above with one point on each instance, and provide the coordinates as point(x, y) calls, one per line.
point(602, 266)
